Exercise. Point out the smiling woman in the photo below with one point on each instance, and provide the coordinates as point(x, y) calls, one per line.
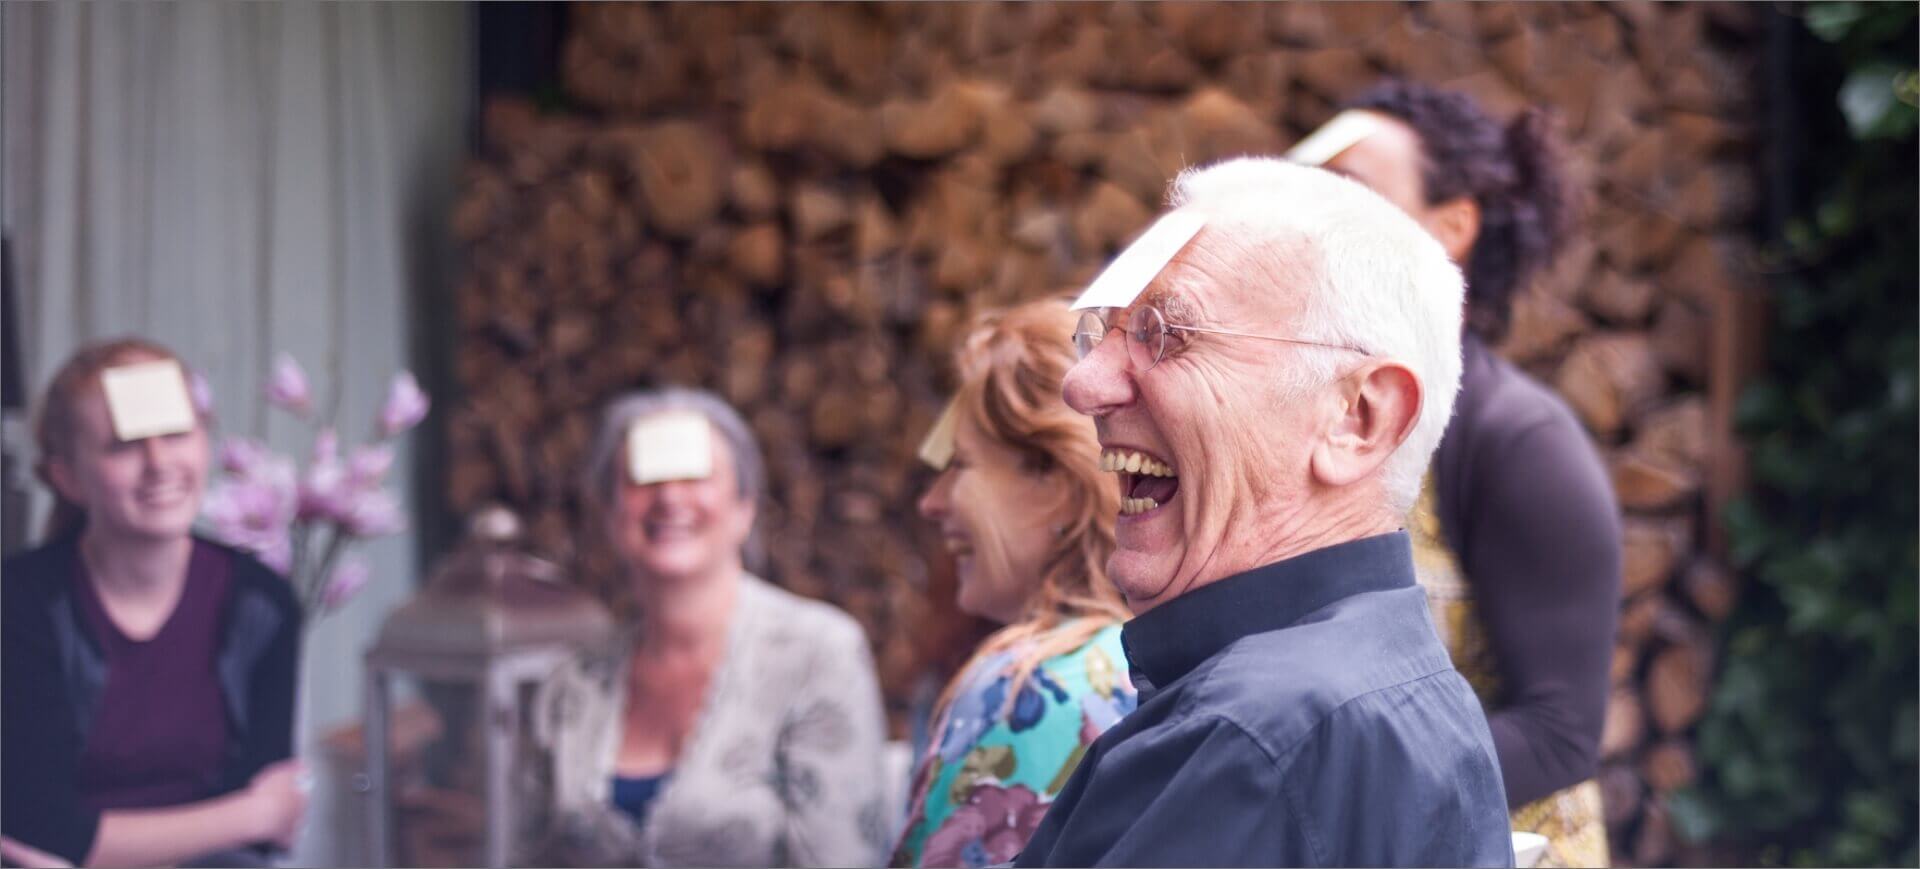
point(734, 724)
point(149, 674)
point(1028, 515)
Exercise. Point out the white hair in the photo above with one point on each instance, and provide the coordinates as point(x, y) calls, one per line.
point(1375, 280)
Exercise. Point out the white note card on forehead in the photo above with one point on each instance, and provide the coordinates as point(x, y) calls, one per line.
point(676, 445)
point(1136, 267)
point(147, 399)
point(1343, 132)
point(937, 449)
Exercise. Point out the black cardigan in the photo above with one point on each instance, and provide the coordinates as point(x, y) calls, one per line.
point(1527, 508)
point(52, 673)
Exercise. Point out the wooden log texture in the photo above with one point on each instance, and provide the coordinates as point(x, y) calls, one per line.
point(801, 206)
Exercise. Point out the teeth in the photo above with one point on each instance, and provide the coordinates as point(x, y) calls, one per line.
point(1122, 461)
point(1136, 506)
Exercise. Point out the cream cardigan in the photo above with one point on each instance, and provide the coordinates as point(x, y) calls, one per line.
point(782, 769)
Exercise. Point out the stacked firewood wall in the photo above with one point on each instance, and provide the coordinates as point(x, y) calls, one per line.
point(799, 207)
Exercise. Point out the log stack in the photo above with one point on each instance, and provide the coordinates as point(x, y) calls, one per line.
point(799, 206)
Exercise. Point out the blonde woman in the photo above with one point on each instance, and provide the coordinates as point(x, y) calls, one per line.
point(1028, 516)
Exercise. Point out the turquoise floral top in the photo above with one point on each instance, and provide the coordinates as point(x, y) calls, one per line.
point(993, 767)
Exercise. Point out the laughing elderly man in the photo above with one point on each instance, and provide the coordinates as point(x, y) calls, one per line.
point(1288, 343)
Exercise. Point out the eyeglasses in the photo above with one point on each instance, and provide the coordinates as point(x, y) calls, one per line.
point(1147, 336)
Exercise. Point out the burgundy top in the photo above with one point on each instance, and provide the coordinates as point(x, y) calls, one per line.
point(159, 733)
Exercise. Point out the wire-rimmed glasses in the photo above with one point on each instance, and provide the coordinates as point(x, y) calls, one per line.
point(1146, 336)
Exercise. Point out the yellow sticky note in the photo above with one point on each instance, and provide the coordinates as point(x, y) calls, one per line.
point(1129, 274)
point(1346, 130)
point(147, 399)
point(937, 448)
point(675, 445)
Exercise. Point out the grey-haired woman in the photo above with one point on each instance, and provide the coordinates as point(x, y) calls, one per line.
point(737, 724)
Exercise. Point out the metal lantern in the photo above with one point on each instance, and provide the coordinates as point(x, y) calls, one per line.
point(491, 624)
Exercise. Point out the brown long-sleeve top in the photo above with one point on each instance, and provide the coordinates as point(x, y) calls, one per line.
point(1528, 510)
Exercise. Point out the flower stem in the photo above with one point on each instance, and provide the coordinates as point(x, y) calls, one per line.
point(315, 590)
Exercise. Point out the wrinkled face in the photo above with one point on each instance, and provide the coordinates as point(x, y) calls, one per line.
point(682, 529)
point(1213, 450)
point(148, 488)
point(997, 518)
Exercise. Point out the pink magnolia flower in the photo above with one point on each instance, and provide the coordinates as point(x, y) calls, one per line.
point(347, 578)
point(373, 513)
point(243, 457)
point(201, 392)
point(406, 405)
point(325, 492)
point(287, 388)
point(326, 445)
point(255, 513)
point(367, 467)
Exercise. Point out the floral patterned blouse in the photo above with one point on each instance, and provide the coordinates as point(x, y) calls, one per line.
point(993, 767)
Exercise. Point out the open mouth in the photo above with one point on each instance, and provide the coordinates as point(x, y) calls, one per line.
point(1146, 483)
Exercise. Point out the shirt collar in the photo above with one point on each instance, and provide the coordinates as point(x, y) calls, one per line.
point(1173, 638)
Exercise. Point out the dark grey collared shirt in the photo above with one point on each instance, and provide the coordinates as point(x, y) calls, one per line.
point(1300, 714)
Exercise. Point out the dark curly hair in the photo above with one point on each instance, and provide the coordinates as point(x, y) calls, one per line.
point(1513, 174)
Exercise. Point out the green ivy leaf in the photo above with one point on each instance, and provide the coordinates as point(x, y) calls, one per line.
point(1832, 21)
point(1871, 104)
point(1692, 816)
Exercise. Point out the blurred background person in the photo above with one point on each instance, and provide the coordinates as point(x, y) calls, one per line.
point(738, 724)
point(1517, 533)
point(1028, 516)
point(149, 673)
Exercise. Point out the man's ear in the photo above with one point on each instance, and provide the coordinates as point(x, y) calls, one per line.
point(1456, 223)
point(1379, 406)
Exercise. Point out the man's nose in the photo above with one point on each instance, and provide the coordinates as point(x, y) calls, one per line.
point(1102, 382)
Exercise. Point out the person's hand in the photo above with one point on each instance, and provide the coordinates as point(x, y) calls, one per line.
point(276, 800)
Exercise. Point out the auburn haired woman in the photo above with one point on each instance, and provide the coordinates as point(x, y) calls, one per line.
point(149, 673)
point(1028, 516)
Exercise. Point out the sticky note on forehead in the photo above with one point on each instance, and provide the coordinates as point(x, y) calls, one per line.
point(147, 399)
point(1346, 130)
point(676, 445)
point(937, 449)
point(1136, 267)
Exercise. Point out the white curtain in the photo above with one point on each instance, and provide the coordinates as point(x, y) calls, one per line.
point(235, 180)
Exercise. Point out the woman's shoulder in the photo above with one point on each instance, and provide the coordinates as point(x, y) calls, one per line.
point(31, 579)
point(1101, 661)
point(787, 613)
point(34, 568)
point(1500, 404)
point(1097, 663)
